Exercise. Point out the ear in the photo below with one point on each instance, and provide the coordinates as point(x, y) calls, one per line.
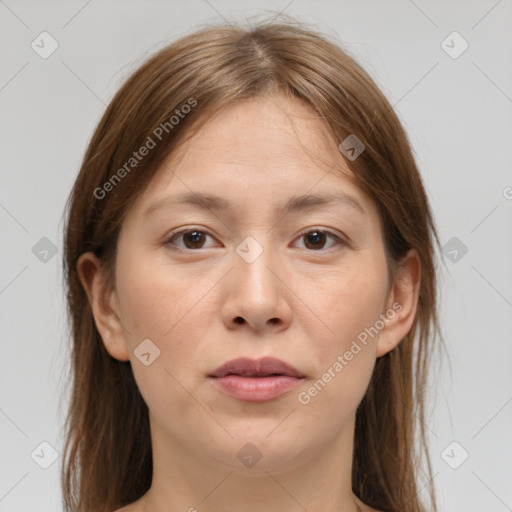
point(402, 303)
point(104, 305)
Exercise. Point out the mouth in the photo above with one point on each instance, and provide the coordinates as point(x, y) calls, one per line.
point(256, 380)
point(257, 368)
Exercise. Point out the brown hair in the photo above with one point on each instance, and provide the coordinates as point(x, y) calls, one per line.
point(107, 457)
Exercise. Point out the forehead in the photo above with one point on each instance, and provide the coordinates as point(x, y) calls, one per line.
point(255, 132)
point(268, 146)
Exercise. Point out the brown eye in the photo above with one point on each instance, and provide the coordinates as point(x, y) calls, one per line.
point(192, 239)
point(315, 239)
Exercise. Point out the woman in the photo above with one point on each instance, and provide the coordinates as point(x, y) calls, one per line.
point(249, 257)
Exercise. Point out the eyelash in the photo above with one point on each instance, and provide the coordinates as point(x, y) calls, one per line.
point(172, 236)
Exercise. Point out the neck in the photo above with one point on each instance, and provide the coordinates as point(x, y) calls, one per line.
point(187, 479)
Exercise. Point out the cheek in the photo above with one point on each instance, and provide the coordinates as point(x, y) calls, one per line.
point(145, 306)
point(348, 303)
point(171, 308)
point(164, 307)
point(155, 300)
point(346, 300)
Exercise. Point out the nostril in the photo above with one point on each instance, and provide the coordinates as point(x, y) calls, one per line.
point(239, 320)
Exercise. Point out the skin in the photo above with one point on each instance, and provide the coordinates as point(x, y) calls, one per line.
point(301, 301)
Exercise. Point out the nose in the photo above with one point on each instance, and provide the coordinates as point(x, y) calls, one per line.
point(257, 294)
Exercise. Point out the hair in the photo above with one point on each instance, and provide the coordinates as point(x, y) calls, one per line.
point(107, 459)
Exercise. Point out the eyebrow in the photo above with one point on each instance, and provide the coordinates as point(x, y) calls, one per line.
point(294, 203)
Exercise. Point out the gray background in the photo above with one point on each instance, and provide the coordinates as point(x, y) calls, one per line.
point(457, 112)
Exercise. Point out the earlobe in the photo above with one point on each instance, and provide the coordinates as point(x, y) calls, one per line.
point(402, 303)
point(103, 303)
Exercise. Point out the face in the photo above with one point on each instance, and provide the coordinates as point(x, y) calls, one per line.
point(256, 273)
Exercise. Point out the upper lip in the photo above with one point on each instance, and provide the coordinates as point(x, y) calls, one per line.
point(263, 367)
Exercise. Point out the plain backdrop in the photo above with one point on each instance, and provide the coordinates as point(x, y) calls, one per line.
point(455, 103)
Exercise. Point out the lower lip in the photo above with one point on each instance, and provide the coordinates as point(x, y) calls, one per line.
point(256, 389)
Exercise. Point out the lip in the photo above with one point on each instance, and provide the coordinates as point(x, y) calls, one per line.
point(256, 380)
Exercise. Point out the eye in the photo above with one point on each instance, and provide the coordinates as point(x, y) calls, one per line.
point(192, 238)
point(315, 239)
